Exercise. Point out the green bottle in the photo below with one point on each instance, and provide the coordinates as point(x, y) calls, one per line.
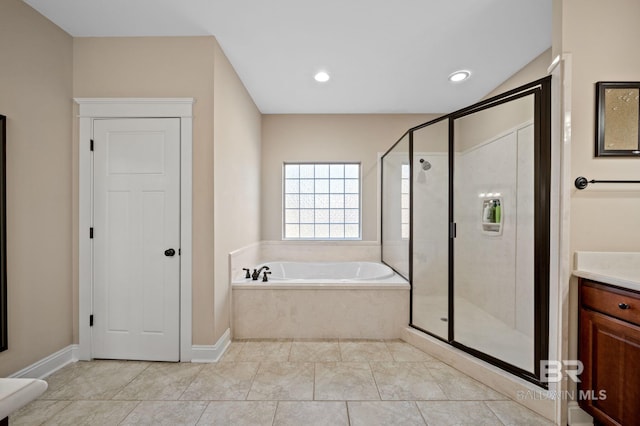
point(497, 211)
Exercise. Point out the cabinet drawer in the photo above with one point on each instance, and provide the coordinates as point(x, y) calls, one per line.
point(618, 303)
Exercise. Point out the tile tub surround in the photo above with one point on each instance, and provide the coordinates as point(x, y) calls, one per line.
point(369, 383)
point(621, 269)
point(321, 251)
point(301, 251)
point(355, 311)
point(363, 310)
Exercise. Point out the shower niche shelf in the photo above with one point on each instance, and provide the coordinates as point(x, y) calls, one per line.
point(492, 216)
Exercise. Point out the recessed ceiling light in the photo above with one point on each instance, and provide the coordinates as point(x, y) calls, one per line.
point(459, 76)
point(322, 77)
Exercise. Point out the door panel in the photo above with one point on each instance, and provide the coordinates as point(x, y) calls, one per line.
point(494, 211)
point(136, 218)
point(430, 301)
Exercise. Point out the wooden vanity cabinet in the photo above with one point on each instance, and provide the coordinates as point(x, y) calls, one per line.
point(609, 348)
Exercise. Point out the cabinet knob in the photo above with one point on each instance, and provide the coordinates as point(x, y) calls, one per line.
point(623, 306)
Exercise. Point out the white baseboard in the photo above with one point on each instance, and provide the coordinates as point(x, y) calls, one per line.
point(211, 353)
point(577, 416)
point(49, 365)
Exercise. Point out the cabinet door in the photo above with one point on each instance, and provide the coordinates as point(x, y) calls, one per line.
point(610, 351)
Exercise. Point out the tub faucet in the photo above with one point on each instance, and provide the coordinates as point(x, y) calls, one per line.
point(256, 273)
point(264, 276)
point(247, 275)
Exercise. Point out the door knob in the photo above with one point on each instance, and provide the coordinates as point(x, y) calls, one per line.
point(170, 252)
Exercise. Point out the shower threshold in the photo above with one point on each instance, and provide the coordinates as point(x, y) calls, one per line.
point(475, 328)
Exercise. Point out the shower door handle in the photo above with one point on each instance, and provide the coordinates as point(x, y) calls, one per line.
point(452, 230)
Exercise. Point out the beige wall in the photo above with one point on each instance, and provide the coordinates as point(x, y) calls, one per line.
point(165, 67)
point(601, 38)
point(534, 70)
point(35, 95)
point(327, 138)
point(226, 147)
point(237, 169)
point(556, 28)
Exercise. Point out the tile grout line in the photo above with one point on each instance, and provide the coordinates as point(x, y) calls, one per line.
point(415, 402)
point(494, 413)
point(253, 379)
point(130, 381)
point(195, 376)
point(437, 382)
point(239, 357)
point(203, 411)
point(275, 413)
point(313, 393)
point(290, 350)
point(375, 382)
point(393, 358)
point(129, 413)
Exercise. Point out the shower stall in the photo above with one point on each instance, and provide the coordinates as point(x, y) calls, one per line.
point(465, 219)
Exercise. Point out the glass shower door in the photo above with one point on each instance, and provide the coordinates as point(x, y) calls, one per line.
point(494, 249)
point(430, 254)
point(466, 218)
point(396, 207)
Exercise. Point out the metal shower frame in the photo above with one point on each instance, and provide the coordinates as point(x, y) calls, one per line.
point(541, 90)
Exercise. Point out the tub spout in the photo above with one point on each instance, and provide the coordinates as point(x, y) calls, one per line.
point(256, 273)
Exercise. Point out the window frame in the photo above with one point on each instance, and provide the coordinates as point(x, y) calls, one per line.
point(284, 194)
point(405, 210)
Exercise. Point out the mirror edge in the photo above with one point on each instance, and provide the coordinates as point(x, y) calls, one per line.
point(4, 341)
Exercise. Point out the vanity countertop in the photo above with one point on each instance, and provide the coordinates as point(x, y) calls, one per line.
point(621, 269)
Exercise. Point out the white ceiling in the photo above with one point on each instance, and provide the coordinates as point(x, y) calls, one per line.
point(384, 56)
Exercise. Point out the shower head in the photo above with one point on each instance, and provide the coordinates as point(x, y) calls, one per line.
point(425, 164)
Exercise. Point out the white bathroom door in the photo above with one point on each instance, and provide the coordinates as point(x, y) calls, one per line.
point(136, 233)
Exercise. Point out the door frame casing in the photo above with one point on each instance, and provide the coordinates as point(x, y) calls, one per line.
point(91, 109)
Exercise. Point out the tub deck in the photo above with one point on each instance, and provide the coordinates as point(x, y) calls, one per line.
point(394, 283)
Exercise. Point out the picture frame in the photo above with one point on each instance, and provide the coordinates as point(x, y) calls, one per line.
point(617, 119)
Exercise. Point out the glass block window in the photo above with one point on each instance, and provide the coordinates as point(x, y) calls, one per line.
point(322, 201)
point(404, 202)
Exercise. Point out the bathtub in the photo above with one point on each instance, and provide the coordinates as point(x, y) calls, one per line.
point(328, 272)
point(321, 300)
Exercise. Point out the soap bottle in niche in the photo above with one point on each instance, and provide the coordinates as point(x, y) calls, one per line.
point(497, 211)
point(488, 212)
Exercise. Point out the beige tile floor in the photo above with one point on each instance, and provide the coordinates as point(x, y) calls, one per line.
point(276, 383)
